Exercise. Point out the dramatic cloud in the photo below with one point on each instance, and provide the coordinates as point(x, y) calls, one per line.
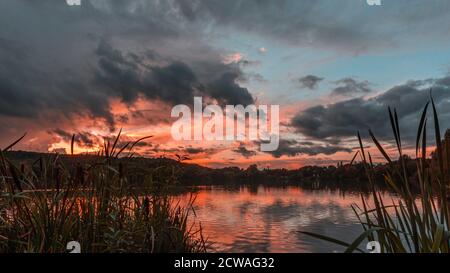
point(345, 118)
point(328, 24)
point(242, 150)
point(73, 61)
point(310, 81)
point(227, 91)
point(110, 64)
point(29, 88)
point(87, 140)
point(84, 139)
point(127, 77)
point(192, 150)
point(291, 148)
point(350, 86)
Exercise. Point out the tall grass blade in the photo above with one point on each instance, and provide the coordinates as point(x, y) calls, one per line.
point(329, 239)
point(14, 143)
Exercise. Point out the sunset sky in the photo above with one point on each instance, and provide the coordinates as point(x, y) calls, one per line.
point(333, 67)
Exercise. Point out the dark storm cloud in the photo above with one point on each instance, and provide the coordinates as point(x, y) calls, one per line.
point(242, 150)
point(88, 140)
point(175, 82)
point(83, 139)
point(73, 60)
point(249, 63)
point(345, 25)
point(310, 81)
point(291, 148)
point(50, 52)
point(11, 96)
point(192, 150)
point(28, 88)
point(345, 118)
point(227, 91)
point(129, 76)
point(350, 86)
point(198, 150)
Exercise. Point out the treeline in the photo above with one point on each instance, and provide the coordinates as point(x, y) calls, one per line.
point(342, 176)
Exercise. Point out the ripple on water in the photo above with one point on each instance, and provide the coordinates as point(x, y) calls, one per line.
point(268, 220)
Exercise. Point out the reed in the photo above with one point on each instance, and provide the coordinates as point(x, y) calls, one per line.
point(418, 222)
point(48, 204)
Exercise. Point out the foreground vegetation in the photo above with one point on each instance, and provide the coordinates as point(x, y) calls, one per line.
point(93, 204)
point(417, 223)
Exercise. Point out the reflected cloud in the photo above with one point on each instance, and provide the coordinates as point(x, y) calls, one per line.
point(268, 219)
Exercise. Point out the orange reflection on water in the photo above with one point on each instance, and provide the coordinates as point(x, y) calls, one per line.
point(267, 219)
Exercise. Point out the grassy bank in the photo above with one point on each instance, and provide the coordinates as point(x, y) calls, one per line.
point(93, 204)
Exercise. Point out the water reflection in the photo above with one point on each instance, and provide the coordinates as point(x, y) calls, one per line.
point(267, 219)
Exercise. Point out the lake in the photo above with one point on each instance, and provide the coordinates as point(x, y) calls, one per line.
point(267, 219)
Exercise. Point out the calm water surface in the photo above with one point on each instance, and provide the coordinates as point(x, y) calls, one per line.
point(267, 219)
